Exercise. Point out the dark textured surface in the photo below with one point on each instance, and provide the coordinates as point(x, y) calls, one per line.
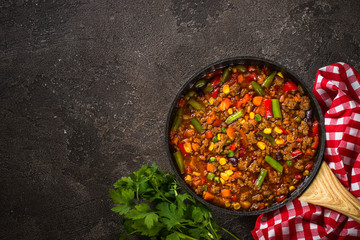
point(86, 85)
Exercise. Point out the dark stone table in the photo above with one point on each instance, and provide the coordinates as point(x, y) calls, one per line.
point(86, 86)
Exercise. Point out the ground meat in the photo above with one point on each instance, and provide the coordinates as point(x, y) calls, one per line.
point(290, 103)
point(218, 147)
point(251, 138)
point(234, 89)
point(304, 128)
point(300, 113)
point(254, 167)
point(304, 103)
point(299, 165)
point(244, 196)
point(257, 197)
point(246, 127)
point(242, 165)
point(273, 177)
point(215, 189)
point(278, 80)
point(283, 190)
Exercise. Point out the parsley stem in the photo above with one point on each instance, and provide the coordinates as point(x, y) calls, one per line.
point(185, 236)
point(230, 233)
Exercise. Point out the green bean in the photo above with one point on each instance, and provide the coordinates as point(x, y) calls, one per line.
point(179, 161)
point(267, 136)
point(269, 80)
point(189, 95)
point(200, 83)
point(258, 89)
point(215, 139)
point(276, 108)
point(241, 68)
point(261, 178)
point(235, 116)
point(196, 125)
point(258, 117)
point(212, 159)
point(177, 119)
point(275, 164)
point(226, 75)
point(195, 104)
point(208, 88)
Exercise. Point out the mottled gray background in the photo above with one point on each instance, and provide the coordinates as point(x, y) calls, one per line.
point(86, 86)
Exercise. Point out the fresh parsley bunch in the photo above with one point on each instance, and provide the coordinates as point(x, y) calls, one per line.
point(154, 205)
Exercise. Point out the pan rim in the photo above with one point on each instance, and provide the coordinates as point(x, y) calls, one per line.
point(314, 104)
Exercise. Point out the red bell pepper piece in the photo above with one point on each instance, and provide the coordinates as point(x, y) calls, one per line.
point(296, 153)
point(216, 81)
point(251, 68)
point(233, 198)
point(181, 103)
point(309, 166)
point(316, 143)
point(315, 128)
point(280, 198)
point(215, 92)
point(238, 104)
point(242, 151)
point(188, 170)
point(217, 123)
point(182, 149)
point(284, 131)
point(289, 86)
point(236, 175)
point(268, 108)
point(298, 176)
point(232, 147)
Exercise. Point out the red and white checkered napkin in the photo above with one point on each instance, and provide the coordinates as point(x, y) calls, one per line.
point(337, 89)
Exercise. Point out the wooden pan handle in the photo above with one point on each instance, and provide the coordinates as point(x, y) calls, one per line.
point(327, 191)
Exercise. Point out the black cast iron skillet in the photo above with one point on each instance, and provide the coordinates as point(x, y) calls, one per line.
point(317, 114)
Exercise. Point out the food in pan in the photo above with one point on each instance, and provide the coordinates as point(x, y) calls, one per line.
point(244, 137)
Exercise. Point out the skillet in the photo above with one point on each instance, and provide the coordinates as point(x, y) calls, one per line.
point(317, 188)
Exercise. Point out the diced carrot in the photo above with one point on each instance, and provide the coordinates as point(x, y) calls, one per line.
point(240, 78)
point(208, 196)
point(175, 140)
point(238, 104)
point(257, 100)
point(243, 138)
point(217, 123)
point(195, 147)
point(236, 174)
point(232, 168)
point(296, 98)
point(245, 99)
point(226, 193)
point(210, 119)
point(232, 147)
point(246, 117)
point(225, 104)
point(261, 109)
point(209, 134)
point(230, 131)
point(210, 167)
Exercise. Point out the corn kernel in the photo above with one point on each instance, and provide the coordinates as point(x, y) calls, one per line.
point(224, 176)
point(186, 117)
point(226, 88)
point(222, 181)
point(234, 70)
point(252, 115)
point(242, 121)
point(261, 145)
point(267, 130)
point(227, 204)
point(211, 147)
point(279, 141)
point(236, 206)
point(291, 188)
point(230, 111)
point(266, 204)
point(222, 161)
point(187, 147)
point(280, 74)
point(188, 178)
point(211, 101)
point(196, 174)
point(278, 130)
point(229, 172)
point(219, 137)
point(306, 172)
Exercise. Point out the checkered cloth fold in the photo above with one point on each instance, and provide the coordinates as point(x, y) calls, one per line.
point(337, 89)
